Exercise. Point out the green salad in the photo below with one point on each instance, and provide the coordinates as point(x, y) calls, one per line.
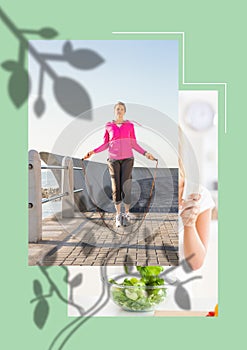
point(140, 294)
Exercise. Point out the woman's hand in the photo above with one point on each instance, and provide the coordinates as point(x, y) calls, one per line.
point(88, 155)
point(190, 209)
point(149, 156)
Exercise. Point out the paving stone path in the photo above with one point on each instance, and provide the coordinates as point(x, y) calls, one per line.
point(92, 239)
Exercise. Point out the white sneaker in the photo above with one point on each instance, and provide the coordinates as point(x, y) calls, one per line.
point(118, 220)
point(126, 219)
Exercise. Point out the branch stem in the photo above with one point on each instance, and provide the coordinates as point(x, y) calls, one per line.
point(26, 45)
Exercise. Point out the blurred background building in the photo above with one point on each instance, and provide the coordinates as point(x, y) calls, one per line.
point(198, 119)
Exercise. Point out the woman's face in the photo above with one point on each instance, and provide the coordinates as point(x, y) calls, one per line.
point(119, 111)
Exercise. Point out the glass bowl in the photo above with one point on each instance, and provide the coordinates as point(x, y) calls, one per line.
point(137, 298)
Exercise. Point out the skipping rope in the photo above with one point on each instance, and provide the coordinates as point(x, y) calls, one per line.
point(102, 213)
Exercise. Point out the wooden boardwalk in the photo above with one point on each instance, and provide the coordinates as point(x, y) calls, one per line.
point(91, 239)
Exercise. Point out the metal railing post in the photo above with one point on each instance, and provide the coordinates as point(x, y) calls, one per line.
point(34, 197)
point(68, 187)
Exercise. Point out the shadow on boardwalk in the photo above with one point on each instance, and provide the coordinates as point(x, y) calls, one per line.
point(91, 239)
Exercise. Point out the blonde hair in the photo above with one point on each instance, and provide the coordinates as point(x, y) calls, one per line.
point(181, 168)
point(122, 104)
point(180, 153)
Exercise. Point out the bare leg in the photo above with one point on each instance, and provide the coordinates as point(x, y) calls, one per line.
point(118, 208)
point(127, 208)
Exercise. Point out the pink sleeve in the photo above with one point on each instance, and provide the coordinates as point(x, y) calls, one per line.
point(135, 145)
point(104, 145)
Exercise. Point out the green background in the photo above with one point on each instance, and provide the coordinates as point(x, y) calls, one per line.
point(215, 51)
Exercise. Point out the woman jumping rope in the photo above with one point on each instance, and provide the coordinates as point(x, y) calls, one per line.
point(120, 140)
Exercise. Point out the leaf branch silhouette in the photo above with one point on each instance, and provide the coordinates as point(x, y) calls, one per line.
point(61, 339)
point(70, 95)
point(41, 310)
point(80, 321)
point(57, 291)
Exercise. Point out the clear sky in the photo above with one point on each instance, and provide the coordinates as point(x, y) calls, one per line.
point(143, 72)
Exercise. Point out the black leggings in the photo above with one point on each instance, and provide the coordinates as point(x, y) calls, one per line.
point(121, 175)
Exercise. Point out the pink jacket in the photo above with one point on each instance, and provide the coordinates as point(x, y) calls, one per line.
point(120, 141)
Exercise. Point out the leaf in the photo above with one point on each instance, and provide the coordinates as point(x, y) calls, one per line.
point(41, 313)
point(126, 269)
point(128, 265)
point(10, 65)
point(84, 59)
point(76, 281)
point(52, 256)
point(148, 271)
point(19, 86)
point(186, 266)
point(48, 33)
point(182, 298)
point(67, 48)
point(71, 96)
point(112, 281)
point(37, 288)
point(39, 106)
